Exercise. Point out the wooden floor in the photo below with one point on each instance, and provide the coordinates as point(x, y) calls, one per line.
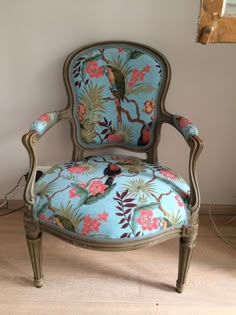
point(79, 281)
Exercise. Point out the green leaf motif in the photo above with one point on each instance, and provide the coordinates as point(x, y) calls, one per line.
point(125, 131)
point(94, 199)
point(43, 188)
point(41, 204)
point(136, 187)
point(121, 66)
point(167, 222)
point(88, 132)
point(140, 88)
point(134, 54)
point(52, 169)
point(71, 213)
point(173, 218)
point(91, 97)
point(82, 192)
point(67, 224)
point(135, 167)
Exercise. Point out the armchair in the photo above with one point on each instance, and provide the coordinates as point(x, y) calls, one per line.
point(116, 92)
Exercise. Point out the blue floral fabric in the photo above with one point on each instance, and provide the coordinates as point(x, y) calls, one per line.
point(44, 122)
point(116, 93)
point(185, 126)
point(111, 197)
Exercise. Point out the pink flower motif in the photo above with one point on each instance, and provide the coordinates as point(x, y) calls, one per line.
point(114, 138)
point(147, 68)
point(149, 106)
point(120, 50)
point(86, 230)
point(180, 203)
point(168, 174)
point(93, 70)
point(73, 193)
point(44, 218)
point(141, 76)
point(96, 187)
point(44, 117)
point(103, 216)
point(147, 221)
point(184, 122)
point(131, 83)
point(135, 73)
point(88, 220)
point(96, 224)
point(77, 169)
point(138, 75)
point(90, 225)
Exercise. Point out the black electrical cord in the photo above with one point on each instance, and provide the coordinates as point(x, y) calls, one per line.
point(6, 200)
point(38, 175)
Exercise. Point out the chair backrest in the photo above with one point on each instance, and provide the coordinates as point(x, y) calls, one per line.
point(116, 94)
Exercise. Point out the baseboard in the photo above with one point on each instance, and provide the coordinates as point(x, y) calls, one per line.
point(12, 204)
point(204, 209)
point(218, 209)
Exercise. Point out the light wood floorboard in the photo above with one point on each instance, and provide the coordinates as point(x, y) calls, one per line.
point(79, 281)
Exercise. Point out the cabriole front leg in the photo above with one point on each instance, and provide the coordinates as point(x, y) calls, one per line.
point(186, 247)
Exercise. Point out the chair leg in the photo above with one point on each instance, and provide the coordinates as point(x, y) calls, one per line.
point(35, 251)
point(186, 248)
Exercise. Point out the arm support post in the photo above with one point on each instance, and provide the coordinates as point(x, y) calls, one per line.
point(37, 129)
point(190, 133)
point(29, 140)
point(196, 146)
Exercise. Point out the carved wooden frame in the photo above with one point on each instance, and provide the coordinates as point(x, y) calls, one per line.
point(213, 26)
point(188, 234)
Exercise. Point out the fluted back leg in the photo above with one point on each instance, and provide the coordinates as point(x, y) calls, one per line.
point(186, 247)
point(35, 251)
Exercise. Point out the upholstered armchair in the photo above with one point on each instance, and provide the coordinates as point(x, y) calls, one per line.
point(112, 202)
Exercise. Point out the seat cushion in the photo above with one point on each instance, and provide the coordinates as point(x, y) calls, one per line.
point(111, 197)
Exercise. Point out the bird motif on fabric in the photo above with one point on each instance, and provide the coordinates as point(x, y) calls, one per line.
point(63, 222)
point(145, 135)
point(112, 170)
point(117, 88)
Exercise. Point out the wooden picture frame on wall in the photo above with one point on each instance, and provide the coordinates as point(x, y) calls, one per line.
point(216, 23)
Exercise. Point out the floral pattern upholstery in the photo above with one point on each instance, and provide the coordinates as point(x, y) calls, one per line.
point(116, 93)
point(44, 122)
point(111, 197)
point(185, 126)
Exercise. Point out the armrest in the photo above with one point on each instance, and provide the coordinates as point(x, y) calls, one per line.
point(44, 122)
point(190, 133)
point(37, 129)
point(184, 126)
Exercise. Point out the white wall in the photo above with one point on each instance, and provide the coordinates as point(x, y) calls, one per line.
point(36, 36)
